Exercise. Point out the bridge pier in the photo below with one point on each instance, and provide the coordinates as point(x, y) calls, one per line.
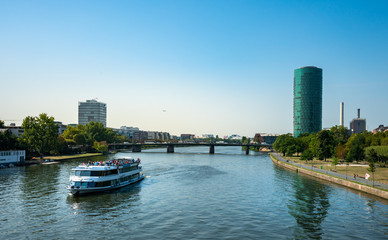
point(170, 148)
point(247, 150)
point(136, 148)
point(211, 150)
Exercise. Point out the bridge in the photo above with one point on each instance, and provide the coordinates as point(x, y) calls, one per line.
point(136, 147)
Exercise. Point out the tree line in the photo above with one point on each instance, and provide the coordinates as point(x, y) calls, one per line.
point(41, 137)
point(336, 143)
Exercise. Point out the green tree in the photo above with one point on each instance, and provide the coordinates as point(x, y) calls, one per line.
point(7, 140)
point(284, 143)
point(325, 146)
point(384, 141)
point(1, 124)
point(101, 147)
point(372, 158)
point(40, 134)
point(356, 148)
point(307, 155)
point(95, 131)
point(340, 134)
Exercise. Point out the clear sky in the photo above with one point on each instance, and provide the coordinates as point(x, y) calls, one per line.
point(215, 67)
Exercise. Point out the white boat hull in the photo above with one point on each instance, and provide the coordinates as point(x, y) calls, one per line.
point(82, 191)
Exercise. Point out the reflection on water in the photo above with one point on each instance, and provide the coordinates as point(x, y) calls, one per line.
point(106, 201)
point(309, 207)
point(188, 195)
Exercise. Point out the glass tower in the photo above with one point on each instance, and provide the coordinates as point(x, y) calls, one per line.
point(307, 100)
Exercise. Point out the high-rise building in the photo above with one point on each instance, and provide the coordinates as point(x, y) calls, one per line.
point(91, 111)
point(307, 100)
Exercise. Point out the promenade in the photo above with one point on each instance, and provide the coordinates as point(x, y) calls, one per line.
point(347, 178)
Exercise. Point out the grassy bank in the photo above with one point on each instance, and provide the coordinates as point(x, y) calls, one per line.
point(66, 157)
point(360, 169)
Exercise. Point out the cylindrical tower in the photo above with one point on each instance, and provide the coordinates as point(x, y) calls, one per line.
point(307, 100)
point(341, 113)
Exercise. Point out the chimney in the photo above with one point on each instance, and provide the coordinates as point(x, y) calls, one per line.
point(358, 113)
point(341, 113)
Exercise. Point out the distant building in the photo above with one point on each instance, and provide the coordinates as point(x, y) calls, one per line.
point(307, 100)
point(17, 131)
point(381, 128)
point(61, 127)
point(357, 125)
point(158, 136)
point(269, 138)
point(233, 137)
point(127, 131)
point(14, 157)
point(207, 135)
point(140, 136)
point(91, 111)
point(187, 136)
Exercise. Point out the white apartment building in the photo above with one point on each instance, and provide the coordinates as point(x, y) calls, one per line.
point(91, 111)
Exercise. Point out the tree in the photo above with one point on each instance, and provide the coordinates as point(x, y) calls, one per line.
point(356, 148)
point(341, 151)
point(325, 146)
point(372, 158)
point(307, 155)
point(101, 147)
point(1, 124)
point(40, 134)
point(285, 143)
point(7, 140)
point(300, 145)
point(340, 134)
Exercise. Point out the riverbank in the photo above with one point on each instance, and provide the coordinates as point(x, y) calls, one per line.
point(380, 190)
point(74, 156)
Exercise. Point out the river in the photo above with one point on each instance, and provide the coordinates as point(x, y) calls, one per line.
point(188, 194)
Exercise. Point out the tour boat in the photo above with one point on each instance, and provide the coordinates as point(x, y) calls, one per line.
point(104, 176)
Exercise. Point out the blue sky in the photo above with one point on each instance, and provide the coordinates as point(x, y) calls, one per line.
point(218, 67)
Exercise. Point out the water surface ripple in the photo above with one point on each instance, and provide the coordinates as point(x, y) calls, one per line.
point(189, 195)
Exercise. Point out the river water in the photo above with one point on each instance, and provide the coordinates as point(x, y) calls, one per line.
point(188, 195)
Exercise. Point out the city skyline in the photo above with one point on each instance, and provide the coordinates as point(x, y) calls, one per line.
point(198, 67)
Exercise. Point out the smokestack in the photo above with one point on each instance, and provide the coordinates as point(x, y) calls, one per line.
point(358, 113)
point(341, 113)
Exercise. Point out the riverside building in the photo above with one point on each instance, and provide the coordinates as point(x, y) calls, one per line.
point(307, 100)
point(91, 111)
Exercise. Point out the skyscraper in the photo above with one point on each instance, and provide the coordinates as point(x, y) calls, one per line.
point(91, 111)
point(307, 100)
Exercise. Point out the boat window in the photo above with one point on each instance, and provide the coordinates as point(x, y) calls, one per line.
point(85, 173)
point(77, 184)
point(77, 173)
point(96, 173)
point(84, 184)
point(91, 184)
point(72, 173)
